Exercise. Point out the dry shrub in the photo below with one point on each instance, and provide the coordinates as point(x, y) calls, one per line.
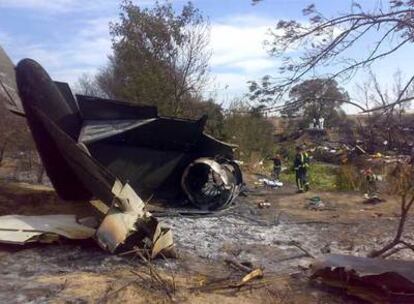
point(348, 178)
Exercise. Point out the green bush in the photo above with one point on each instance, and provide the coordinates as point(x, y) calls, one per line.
point(250, 131)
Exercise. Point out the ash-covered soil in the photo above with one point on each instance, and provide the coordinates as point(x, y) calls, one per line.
point(278, 238)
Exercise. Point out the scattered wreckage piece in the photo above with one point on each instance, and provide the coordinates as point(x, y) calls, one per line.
point(373, 280)
point(126, 225)
point(120, 137)
point(20, 229)
point(315, 203)
point(76, 175)
point(271, 183)
point(373, 200)
point(262, 205)
point(107, 149)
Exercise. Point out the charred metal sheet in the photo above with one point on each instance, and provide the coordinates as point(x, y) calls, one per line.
point(120, 154)
point(85, 176)
point(95, 108)
point(151, 153)
point(95, 130)
point(374, 280)
point(20, 229)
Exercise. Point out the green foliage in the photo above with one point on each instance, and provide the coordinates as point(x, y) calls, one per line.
point(325, 177)
point(287, 151)
point(160, 56)
point(317, 98)
point(250, 131)
point(321, 176)
point(195, 109)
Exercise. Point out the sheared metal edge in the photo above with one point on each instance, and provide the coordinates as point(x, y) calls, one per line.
point(216, 167)
point(162, 241)
point(120, 222)
point(20, 229)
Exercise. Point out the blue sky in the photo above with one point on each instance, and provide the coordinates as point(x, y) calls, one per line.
point(70, 37)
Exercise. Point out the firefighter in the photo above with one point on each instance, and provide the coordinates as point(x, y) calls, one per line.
point(301, 165)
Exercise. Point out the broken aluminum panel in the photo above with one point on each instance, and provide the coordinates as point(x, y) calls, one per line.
point(210, 184)
point(162, 242)
point(20, 229)
point(120, 220)
point(8, 86)
point(127, 220)
point(373, 280)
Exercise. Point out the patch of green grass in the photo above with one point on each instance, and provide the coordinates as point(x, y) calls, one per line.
point(321, 176)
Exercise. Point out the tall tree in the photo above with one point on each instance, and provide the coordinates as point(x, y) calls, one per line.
point(160, 56)
point(316, 98)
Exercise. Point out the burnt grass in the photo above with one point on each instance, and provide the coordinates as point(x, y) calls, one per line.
point(280, 238)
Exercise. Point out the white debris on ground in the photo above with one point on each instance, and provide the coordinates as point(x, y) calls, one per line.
point(267, 245)
point(270, 182)
point(209, 237)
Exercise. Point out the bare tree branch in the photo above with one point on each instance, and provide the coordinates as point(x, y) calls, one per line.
point(322, 41)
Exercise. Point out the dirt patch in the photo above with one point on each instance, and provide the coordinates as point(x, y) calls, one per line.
point(73, 272)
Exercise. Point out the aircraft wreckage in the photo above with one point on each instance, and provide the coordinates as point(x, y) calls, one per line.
point(120, 153)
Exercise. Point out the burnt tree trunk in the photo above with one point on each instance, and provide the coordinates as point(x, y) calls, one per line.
point(405, 209)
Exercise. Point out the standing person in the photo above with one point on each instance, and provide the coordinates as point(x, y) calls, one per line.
point(277, 166)
point(321, 122)
point(371, 184)
point(301, 165)
point(306, 164)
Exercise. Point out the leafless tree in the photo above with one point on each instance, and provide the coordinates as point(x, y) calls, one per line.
point(402, 184)
point(325, 41)
point(387, 123)
point(87, 85)
point(190, 64)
